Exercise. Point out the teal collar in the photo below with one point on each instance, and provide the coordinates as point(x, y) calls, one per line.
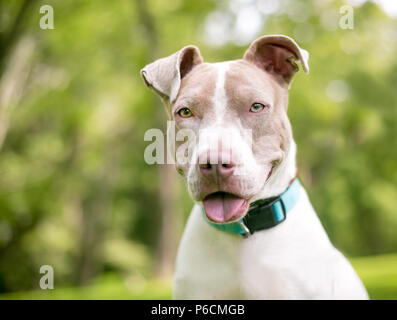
point(263, 214)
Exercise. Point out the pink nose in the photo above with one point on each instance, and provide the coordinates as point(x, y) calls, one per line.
point(222, 170)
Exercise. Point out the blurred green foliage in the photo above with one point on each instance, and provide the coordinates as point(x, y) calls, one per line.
point(75, 192)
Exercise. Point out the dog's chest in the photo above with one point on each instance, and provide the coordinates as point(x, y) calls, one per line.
point(236, 273)
point(272, 265)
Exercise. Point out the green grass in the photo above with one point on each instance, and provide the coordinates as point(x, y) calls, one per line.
point(109, 287)
point(379, 274)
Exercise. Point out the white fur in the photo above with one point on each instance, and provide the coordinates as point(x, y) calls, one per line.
point(220, 99)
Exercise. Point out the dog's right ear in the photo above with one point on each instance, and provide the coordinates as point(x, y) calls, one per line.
point(277, 54)
point(164, 75)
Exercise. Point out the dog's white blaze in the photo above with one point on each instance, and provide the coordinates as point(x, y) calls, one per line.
point(220, 99)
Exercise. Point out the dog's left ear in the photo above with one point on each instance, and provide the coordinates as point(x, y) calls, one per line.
point(277, 54)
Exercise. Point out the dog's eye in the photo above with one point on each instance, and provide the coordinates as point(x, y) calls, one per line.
point(185, 113)
point(257, 107)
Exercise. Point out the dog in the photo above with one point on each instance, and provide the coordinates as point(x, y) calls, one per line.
point(253, 233)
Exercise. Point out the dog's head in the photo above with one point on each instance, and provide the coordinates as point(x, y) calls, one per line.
point(234, 115)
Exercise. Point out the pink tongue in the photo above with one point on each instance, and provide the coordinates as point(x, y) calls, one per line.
point(223, 207)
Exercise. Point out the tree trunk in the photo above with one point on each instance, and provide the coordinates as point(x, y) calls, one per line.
point(12, 83)
point(94, 217)
point(168, 180)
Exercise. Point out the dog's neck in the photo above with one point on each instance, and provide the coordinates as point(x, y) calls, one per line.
point(281, 177)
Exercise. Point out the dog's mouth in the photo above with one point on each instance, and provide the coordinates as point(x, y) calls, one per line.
point(224, 207)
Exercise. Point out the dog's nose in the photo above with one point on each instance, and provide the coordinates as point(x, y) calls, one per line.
point(223, 169)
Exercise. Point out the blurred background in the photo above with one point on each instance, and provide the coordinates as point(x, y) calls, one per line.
point(75, 191)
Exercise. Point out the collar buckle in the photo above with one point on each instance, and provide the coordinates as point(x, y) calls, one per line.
point(265, 214)
point(246, 232)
